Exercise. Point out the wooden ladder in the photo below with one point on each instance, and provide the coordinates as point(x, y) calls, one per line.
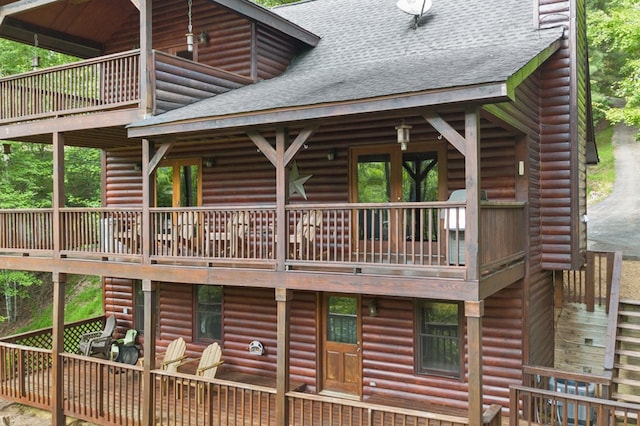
point(626, 368)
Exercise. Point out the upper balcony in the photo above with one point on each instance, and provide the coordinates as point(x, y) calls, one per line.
point(424, 239)
point(110, 83)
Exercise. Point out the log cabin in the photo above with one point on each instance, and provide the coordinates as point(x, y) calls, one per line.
point(361, 203)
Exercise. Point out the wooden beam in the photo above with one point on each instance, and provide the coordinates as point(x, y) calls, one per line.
point(283, 300)
point(473, 186)
point(57, 394)
point(58, 191)
point(146, 55)
point(136, 3)
point(448, 132)
point(282, 197)
point(149, 289)
point(375, 284)
point(264, 146)
point(148, 189)
point(23, 6)
point(158, 157)
point(297, 143)
point(495, 92)
point(71, 123)
point(474, 311)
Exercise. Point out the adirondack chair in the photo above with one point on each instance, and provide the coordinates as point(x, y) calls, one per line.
point(305, 233)
point(98, 341)
point(207, 367)
point(171, 360)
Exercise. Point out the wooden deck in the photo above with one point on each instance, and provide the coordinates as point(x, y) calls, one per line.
point(580, 338)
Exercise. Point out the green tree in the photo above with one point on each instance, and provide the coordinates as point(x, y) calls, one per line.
point(614, 34)
point(14, 285)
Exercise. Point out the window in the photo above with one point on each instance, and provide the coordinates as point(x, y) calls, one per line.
point(208, 323)
point(138, 308)
point(439, 338)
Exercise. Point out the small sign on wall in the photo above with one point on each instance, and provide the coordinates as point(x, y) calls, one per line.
point(256, 348)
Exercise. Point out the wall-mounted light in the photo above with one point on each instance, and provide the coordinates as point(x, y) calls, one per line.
point(210, 162)
point(331, 154)
point(203, 38)
point(373, 308)
point(404, 133)
point(137, 167)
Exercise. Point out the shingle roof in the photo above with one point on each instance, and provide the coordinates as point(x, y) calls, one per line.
point(368, 49)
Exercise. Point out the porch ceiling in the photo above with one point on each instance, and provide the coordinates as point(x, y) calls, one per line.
point(76, 27)
point(105, 138)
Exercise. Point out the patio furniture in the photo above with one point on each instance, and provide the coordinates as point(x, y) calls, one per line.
point(98, 341)
point(305, 233)
point(207, 366)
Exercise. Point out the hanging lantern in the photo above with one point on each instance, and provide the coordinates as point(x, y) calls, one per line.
point(35, 60)
point(404, 134)
point(190, 31)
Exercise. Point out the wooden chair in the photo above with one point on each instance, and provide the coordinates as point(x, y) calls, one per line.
point(171, 360)
point(98, 341)
point(305, 233)
point(227, 242)
point(207, 366)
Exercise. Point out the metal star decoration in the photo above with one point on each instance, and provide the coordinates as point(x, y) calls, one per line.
point(296, 182)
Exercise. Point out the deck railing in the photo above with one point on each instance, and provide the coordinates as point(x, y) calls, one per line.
point(530, 406)
point(25, 375)
point(413, 235)
point(107, 82)
point(590, 285)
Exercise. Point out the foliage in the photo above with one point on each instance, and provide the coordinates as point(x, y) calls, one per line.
point(83, 299)
point(272, 3)
point(614, 34)
point(602, 175)
point(14, 285)
point(16, 57)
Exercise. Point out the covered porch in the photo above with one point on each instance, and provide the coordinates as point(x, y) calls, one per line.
point(112, 393)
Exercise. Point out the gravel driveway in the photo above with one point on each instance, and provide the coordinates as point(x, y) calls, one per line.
point(614, 223)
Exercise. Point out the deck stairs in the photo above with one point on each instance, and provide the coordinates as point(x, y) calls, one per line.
point(626, 369)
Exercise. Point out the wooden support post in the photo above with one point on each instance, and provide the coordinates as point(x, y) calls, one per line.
point(149, 289)
point(474, 311)
point(472, 179)
point(57, 395)
point(147, 196)
point(283, 299)
point(58, 192)
point(146, 56)
point(282, 191)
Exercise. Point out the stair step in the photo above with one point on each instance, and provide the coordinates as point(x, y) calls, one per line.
point(628, 339)
point(628, 352)
point(627, 367)
point(631, 302)
point(624, 397)
point(628, 382)
point(628, 326)
point(627, 313)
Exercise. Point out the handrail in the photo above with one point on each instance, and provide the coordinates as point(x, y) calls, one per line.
point(614, 301)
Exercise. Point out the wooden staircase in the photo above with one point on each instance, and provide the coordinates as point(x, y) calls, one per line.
point(626, 366)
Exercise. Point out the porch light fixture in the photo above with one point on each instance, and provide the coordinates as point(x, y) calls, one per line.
point(373, 308)
point(190, 30)
point(404, 133)
point(210, 162)
point(137, 167)
point(331, 154)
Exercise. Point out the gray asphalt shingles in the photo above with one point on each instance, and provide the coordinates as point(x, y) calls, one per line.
point(368, 49)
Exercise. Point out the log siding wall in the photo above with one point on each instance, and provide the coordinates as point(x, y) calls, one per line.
point(230, 47)
point(563, 143)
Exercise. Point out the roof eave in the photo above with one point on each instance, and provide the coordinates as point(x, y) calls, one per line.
point(265, 16)
point(485, 93)
point(530, 67)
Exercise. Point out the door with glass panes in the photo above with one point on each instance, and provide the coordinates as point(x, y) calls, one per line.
point(341, 345)
point(178, 183)
point(384, 174)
